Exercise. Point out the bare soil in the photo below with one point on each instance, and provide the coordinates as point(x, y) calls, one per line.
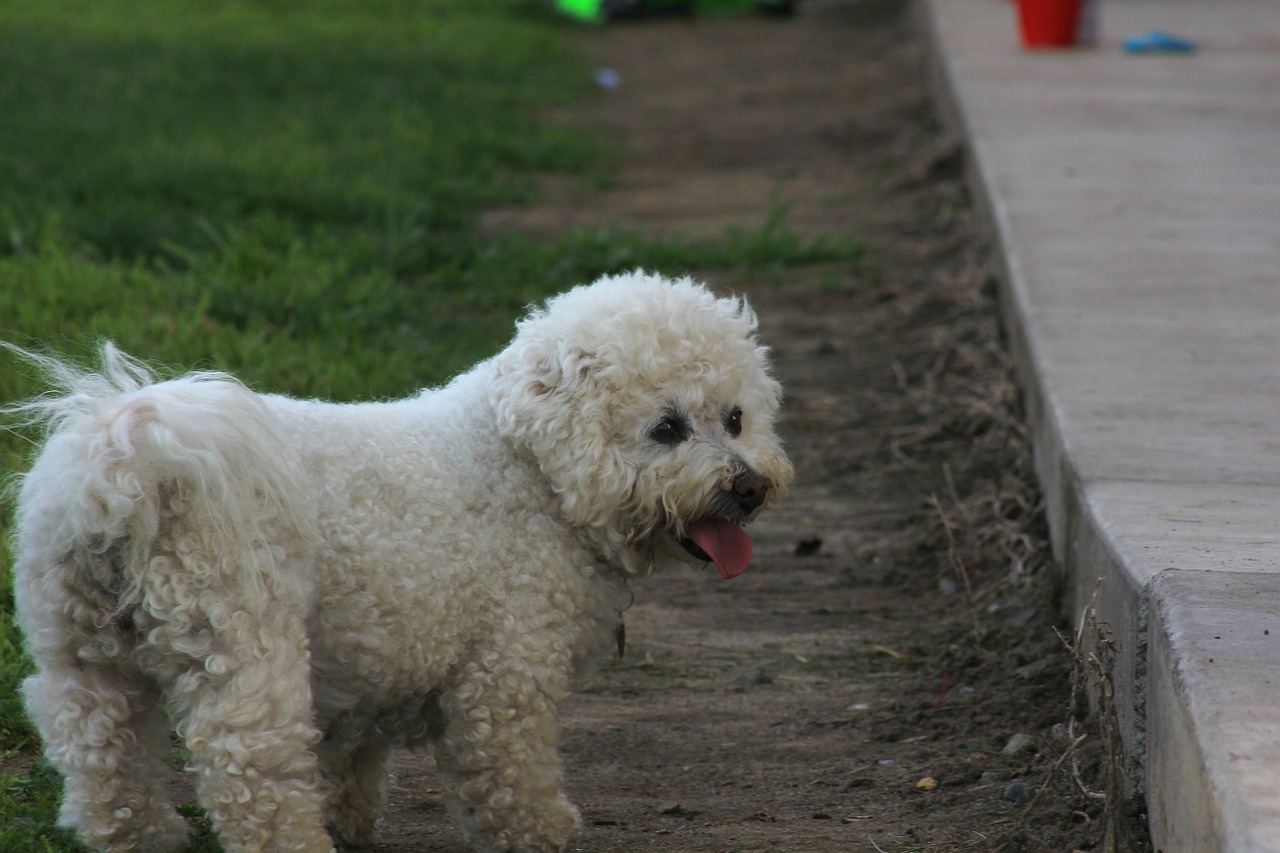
point(859, 687)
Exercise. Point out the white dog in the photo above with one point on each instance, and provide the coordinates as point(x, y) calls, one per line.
point(301, 586)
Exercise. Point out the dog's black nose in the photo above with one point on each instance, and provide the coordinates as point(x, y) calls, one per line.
point(750, 489)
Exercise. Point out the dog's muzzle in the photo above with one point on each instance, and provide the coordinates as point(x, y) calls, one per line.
point(719, 538)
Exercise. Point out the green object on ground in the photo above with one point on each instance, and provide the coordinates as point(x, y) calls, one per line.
point(583, 10)
point(603, 11)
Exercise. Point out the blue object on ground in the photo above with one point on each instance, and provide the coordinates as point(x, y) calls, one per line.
point(1158, 41)
point(608, 79)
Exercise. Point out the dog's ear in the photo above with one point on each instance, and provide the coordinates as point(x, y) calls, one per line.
point(557, 404)
point(534, 389)
point(557, 373)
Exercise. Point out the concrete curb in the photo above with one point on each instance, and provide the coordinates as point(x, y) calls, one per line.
point(1133, 204)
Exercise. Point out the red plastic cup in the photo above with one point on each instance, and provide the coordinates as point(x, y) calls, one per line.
point(1048, 23)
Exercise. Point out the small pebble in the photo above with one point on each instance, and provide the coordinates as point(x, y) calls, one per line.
point(1017, 792)
point(989, 778)
point(751, 678)
point(1011, 614)
point(1019, 744)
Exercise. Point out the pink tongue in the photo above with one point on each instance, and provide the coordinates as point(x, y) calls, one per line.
point(725, 543)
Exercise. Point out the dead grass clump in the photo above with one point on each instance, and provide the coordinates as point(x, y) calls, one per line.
point(956, 412)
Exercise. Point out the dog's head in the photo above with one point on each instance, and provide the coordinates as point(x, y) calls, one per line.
point(649, 406)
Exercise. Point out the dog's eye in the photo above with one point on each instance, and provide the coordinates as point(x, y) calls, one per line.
point(733, 422)
point(669, 430)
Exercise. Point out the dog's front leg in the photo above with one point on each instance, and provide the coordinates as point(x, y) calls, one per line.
point(498, 750)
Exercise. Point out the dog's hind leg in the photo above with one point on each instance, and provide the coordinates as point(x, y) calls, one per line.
point(255, 773)
point(108, 740)
point(238, 682)
point(99, 716)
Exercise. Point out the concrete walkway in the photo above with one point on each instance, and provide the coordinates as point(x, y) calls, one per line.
point(1136, 205)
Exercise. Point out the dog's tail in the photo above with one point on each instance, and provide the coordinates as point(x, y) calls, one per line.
point(125, 454)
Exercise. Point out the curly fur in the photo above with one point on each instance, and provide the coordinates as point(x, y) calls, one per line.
point(301, 586)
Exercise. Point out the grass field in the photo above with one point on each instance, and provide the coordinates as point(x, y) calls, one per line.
point(290, 191)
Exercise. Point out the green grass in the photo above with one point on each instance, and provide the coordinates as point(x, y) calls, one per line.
point(290, 190)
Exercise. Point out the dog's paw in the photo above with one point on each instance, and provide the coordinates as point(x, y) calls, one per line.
point(558, 823)
point(547, 829)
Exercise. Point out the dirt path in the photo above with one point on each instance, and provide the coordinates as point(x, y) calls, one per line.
point(856, 689)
